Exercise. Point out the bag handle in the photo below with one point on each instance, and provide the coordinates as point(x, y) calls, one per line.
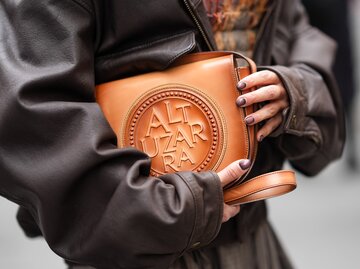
point(261, 187)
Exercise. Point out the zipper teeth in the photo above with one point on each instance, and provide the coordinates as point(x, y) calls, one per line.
point(198, 25)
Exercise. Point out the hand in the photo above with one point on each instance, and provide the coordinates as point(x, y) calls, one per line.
point(227, 175)
point(270, 90)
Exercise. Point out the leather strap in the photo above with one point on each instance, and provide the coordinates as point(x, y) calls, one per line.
point(261, 187)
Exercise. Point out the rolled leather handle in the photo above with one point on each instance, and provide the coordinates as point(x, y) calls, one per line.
point(261, 187)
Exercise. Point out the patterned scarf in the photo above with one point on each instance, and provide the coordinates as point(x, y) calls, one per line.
point(235, 23)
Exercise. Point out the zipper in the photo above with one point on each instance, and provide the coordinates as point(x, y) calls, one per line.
point(198, 24)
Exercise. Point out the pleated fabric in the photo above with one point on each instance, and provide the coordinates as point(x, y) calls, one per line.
point(262, 250)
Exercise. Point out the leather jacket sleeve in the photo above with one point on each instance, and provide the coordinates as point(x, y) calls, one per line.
point(313, 132)
point(94, 204)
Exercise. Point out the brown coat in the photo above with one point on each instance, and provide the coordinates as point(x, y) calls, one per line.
point(93, 203)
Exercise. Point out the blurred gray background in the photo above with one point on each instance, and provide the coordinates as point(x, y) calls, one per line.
point(319, 223)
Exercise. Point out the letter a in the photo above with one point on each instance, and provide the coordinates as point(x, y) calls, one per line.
point(185, 157)
point(155, 122)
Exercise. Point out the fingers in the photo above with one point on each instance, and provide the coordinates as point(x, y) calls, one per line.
point(270, 91)
point(233, 171)
point(257, 79)
point(266, 93)
point(268, 111)
point(228, 174)
point(269, 127)
point(230, 211)
point(271, 114)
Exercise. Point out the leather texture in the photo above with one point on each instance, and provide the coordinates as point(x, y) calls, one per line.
point(185, 119)
point(261, 187)
point(59, 159)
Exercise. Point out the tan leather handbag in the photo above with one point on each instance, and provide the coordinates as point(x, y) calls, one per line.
point(186, 119)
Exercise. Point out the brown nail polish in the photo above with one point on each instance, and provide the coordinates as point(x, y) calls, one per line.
point(241, 85)
point(241, 101)
point(244, 164)
point(249, 120)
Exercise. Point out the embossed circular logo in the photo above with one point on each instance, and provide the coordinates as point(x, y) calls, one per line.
point(179, 127)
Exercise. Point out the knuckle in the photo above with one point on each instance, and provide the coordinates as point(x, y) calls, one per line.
point(274, 123)
point(283, 91)
point(272, 92)
point(274, 77)
point(284, 104)
point(231, 172)
point(269, 75)
point(272, 110)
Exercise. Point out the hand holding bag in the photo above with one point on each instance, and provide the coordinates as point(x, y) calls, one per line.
point(185, 118)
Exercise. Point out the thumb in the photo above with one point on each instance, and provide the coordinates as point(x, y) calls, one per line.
point(233, 171)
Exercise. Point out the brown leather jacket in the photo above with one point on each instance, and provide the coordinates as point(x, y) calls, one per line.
point(94, 203)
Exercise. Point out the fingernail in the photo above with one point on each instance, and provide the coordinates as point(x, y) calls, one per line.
point(241, 85)
point(244, 164)
point(241, 101)
point(261, 138)
point(249, 120)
